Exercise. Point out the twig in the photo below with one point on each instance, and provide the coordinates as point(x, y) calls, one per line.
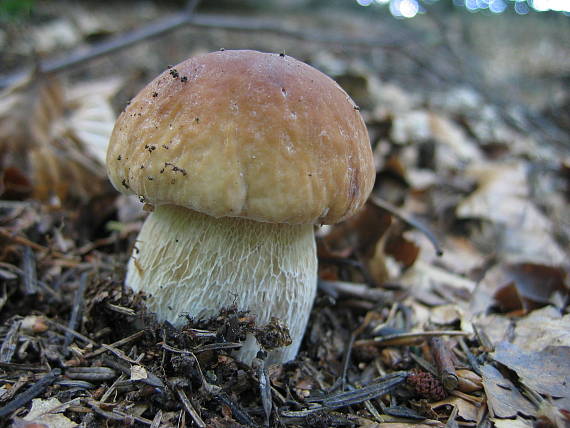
point(203, 348)
point(90, 373)
point(377, 389)
point(25, 367)
point(112, 388)
point(151, 378)
point(26, 242)
point(30, 277)
point(32, 392)
point(445, 367)
point(156, 420)
point(240, 414)
point(10, 342)
point(73, 332)
point(451, 422)
point(117, 415)
point(475, 366)
point(172, 22)
point(76, 310)
point(121, 309)
point(346, 360)
point(190, 408)
point(124, 341)
point(410, 220)
point(119, 354)
point(404, 338)
point(124, 40)
point(265, 391)
point(353, 289)
point(426, 365)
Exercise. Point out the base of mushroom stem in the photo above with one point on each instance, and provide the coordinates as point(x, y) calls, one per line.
point(193, 265)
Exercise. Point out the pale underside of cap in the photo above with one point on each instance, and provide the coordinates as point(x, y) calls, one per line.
point(244, 134)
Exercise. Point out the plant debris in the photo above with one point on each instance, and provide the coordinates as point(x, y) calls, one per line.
point(444, 302)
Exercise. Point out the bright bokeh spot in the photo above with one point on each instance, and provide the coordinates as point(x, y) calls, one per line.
point(404, 8)
point(521, 8)
point(471, 5)
point(556, 5)
point(410, 8)
point(497, 6)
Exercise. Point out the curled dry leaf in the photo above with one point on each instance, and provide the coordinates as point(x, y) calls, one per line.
point(41, 414)
point(503, 198)
point(359, 233)
point(56, 138)
point(547, 371)
point(541, 328)
point(527, 286)
point(503, 397)
point(466, 411)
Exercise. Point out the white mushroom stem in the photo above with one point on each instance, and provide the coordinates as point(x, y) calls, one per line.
point(193, 264)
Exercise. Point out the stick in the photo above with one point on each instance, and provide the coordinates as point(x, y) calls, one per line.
point(190, 408)
point(445, 367)
point(76, 311)
point(32, 392)
point(178, 20)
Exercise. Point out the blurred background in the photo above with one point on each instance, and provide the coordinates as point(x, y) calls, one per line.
point(467, 105)
point(519, 47)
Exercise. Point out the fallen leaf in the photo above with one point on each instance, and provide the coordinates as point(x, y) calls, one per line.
point(465, 410)
point(40, 413)
point(446, 314)
point(423, 277)
point(138, 372)
point(496, 327)
point(359, 233)
point(57, 136)
point(512, 423)
point(529, 286)
point(547, 371)
point(542, 328)
point(503, 397)
point(503, 197)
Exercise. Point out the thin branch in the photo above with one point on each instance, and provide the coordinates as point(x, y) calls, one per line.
point(32, 392)
point(190, 408)
point(175, 21)
point(406, 339)
point(76, 310)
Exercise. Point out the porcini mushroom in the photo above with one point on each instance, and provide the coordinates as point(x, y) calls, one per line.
point(240, 153)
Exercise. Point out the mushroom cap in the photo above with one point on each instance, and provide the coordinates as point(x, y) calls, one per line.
point(244, 134)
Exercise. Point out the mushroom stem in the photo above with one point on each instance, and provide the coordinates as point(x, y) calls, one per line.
point(192, 264)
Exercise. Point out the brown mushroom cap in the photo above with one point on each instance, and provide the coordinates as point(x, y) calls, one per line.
point(244, 134)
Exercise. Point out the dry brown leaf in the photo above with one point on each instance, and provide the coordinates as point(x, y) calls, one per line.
point(425, 278)
point(547, 371)
point(503, 198)
point(512, 423)
point(41, 414)
point(503, 397)
point(496, 327)
point(460, 255)
point(57, 137)
point(528, 286)
point(465, 410)
point(359, 233)
point(541, 328)
point(446, 314)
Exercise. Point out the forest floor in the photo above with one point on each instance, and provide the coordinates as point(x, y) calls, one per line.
point(443, 302)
